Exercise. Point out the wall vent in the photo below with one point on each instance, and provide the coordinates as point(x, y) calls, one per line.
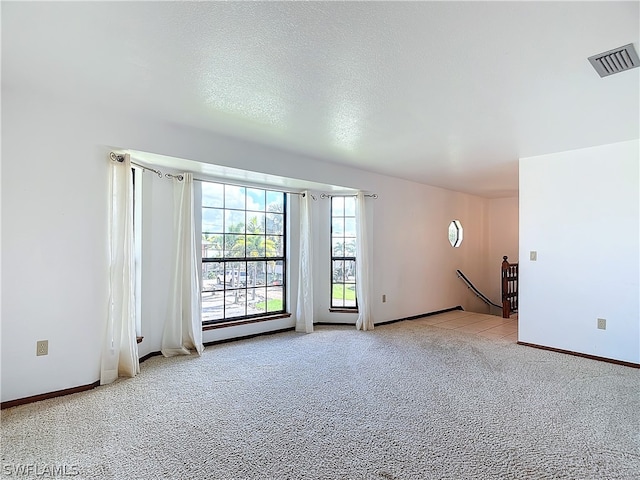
point(615, 61)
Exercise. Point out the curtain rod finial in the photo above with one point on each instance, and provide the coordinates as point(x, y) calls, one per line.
point(116, 157)
point(178, 177)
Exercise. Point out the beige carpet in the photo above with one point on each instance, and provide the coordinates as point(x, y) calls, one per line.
point(406, 401)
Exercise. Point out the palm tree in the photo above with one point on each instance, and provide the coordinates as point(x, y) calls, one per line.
point(255, 244)
point(212, 247)
point(275, 225)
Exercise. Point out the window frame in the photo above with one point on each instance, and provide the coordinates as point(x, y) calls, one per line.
point(231, 275)
point(345, 258)
point(455, 233)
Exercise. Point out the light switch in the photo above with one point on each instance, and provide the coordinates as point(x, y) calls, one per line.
point(533, 255)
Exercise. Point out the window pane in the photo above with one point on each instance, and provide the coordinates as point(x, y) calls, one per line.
point(235, 303)
point(337, 226)
point(350, 271)
point(274, 246)
point(212, 245)
point(255, 222)
point(212, 306)
point(212, 276)
point(255, 199)
point(350, 247)
point(234, 221)
point(349, 295)
point(228, 274)
point(338, 271)
point(234, 197)
point(275, 202)
point(337, 206)
point(257, 273)
point(212, 194)
point(255, 246)
point(234, 246)
point(275, 273)
point(275, 223)
point(236, 274)
point(337, 295)
point(337, 247)
point(349, 227)
point(211, 220)
point(274, 299)
point(455, 233)
point(254, 297)
point(350, 206)
point(258, 303)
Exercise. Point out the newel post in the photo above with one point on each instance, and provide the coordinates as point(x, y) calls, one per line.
point(506, 305)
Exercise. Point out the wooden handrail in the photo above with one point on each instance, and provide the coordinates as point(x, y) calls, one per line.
point(473, 288)
point(509, 287)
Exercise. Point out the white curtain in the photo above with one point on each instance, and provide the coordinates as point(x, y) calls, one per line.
point(183, 325)
point(120, 348)
point(304, 310)
point(363, 280)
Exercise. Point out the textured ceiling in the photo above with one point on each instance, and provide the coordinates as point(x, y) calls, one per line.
point(445, 93)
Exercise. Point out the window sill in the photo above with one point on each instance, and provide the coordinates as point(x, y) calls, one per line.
point(343, 310)
point(245, 321)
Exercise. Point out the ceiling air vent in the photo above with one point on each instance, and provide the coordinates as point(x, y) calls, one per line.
point(615, 61)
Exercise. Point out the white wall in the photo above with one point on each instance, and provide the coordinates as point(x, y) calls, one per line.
point(580, 211)
point(503, 240)
point(54, 248)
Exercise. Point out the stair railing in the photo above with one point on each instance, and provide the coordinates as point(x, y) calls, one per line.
point(509, 287)
point(477, 292)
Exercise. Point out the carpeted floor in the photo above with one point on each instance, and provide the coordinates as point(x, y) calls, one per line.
point(405, 401)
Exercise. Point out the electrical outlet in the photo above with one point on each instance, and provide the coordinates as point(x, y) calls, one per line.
point(42, 347)
point(384, 298)
point(602, 323)
point(533, 256)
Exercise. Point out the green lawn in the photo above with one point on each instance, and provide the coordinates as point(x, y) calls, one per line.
point(350, 294)
point(273, 305)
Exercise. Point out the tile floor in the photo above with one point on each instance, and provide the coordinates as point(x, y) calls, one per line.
point(488, 326)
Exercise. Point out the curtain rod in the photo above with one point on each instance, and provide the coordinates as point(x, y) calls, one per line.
point(180, 177)
point(325, 195)
point(118, 157)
